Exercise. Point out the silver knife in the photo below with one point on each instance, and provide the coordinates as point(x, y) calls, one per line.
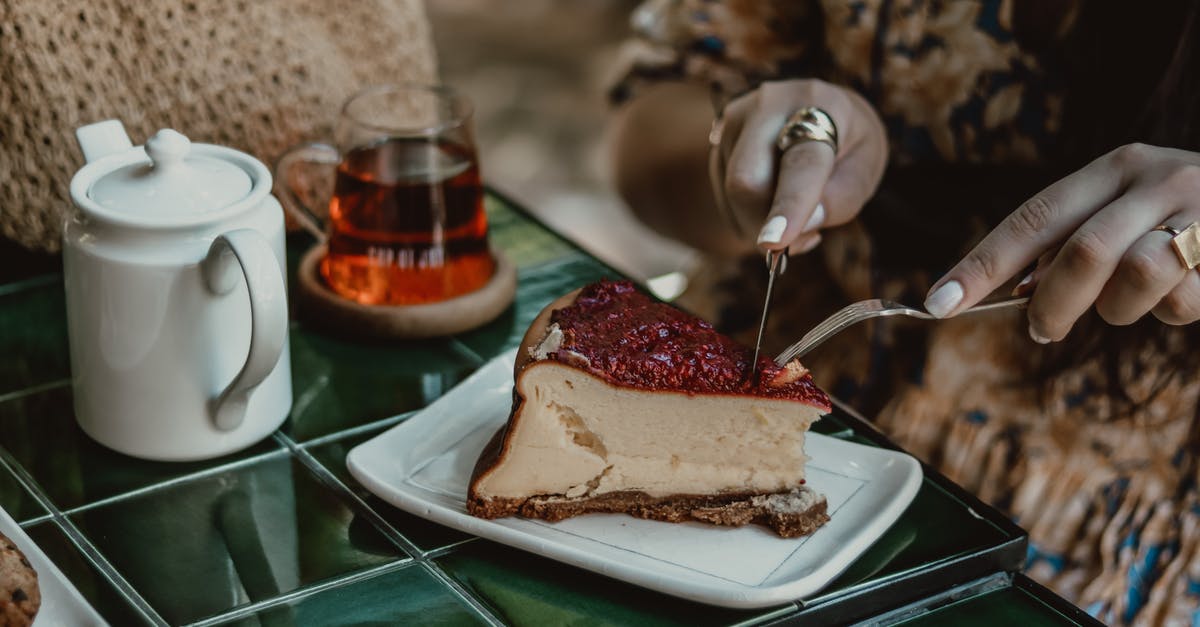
point(776, 265)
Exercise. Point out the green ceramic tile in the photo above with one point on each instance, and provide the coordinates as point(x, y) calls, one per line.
point(33, 335)
point(536, 288)
point(1007, 606)
point(423, 533)
point(935, 527)
point(526, 242)
point(16, 500)
point(409, 596)
point(72, 469)
point(94, 587)
point(204, 546)
point(524, 589)
point(339, 383)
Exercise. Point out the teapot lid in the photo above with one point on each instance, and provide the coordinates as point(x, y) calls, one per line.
point(176, 182)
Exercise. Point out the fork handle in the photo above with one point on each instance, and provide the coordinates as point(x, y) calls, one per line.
point(1014, 301)
point(806, 343)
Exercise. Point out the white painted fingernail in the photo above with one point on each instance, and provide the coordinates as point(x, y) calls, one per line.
point(816, 219)
point(944, 299)
point(1037, 338)
point(1026, 281)
point(772, 231)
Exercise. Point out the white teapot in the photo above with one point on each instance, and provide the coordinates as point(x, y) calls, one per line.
point(176, 301)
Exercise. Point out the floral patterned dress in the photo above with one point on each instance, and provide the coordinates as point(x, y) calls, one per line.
point(1102, 478)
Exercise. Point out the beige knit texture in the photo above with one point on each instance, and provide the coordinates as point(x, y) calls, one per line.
point(257, 75)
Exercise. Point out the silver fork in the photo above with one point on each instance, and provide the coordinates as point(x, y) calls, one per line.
point(874, 308)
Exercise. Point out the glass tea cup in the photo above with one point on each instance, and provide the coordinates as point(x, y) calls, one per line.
point(406, 220)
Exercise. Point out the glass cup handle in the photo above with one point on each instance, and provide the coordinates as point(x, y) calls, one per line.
point(314, 152)
point(247, 251)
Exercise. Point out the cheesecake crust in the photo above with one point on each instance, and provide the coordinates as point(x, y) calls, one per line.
point(732, 510)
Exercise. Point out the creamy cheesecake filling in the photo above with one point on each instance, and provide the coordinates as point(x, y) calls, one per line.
point(581, 436)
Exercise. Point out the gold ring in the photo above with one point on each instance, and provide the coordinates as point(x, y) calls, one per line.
point(1186, 243)
point(807, 124)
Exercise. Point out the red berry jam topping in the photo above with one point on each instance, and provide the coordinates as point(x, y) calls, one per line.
point(633, 340)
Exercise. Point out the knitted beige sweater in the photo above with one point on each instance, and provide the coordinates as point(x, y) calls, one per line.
point(257, 75)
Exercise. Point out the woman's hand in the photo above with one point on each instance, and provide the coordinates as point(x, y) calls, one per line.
point(786, 199)
point(1093, 235)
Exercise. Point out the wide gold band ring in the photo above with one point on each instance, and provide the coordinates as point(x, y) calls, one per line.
point(807, 124)
point(1186, 243)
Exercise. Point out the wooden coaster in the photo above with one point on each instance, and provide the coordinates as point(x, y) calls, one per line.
point(320, 305)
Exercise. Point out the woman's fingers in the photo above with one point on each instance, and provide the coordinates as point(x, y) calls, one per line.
point(853, 181)
point(860, 165)
point(1025, 286)
point(1102, 220)
point(1147, 272)
point(1038, 224)
point(805, 243)
point(750, 168)
point(780, 196)
point(1182, 304)
point(796, 205)
point(1087, 261)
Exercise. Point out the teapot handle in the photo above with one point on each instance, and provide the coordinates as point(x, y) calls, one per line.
point(314, 152)
point(248, 250)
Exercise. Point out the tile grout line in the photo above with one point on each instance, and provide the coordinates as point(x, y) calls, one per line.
point(771, 617)
point(303, 592)
point(939, 600)
point(84, 545)
point(453, 547)
point(35, 521)
point(331, 480)
point(170, 483)
point(35, 389)
point(325, 476)
point(110, 572)
point(353, 431)
point(463, 594)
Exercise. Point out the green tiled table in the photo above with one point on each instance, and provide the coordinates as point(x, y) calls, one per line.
point(280, 534)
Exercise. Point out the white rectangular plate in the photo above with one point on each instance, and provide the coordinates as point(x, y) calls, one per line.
point(423, 466)
point(62, 604)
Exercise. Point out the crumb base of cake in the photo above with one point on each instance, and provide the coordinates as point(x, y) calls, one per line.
point(790, 514)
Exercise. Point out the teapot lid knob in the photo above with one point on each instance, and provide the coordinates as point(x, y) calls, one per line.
point(167, 148)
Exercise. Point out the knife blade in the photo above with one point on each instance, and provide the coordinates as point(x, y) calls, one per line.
point(776, 265)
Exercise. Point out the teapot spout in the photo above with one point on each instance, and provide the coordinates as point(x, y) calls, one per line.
point(102, 139)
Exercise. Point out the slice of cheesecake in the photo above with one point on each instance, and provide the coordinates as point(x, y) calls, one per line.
point(625, 404)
